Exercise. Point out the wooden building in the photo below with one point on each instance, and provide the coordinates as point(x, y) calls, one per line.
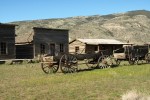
point(92, 45)
point(148, 44)
point(42, 41)
point(7, 41)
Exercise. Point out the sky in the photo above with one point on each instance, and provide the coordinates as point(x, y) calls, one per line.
point(20, 10)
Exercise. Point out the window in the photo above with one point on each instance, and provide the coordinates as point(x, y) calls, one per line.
point(42, 46)
point(3, 48)
point(61, 47)
point(77, 49)
point(96, 48)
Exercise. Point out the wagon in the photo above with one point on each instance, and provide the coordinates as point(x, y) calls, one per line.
point(68, 63)
point(132, 54)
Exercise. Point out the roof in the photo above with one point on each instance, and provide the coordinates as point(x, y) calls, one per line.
point(100, 41)
point(50, 29)
point(3, 24)
point(148, 43)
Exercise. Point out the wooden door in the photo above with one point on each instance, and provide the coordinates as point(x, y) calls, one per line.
point(52, 49)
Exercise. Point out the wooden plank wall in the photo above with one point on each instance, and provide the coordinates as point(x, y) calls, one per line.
point(24, 51)
point(7, 35)
point(82, 46)
point(48, 36)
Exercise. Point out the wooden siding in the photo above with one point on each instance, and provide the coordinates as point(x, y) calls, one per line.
point(50, 36)
point(109, 48)
point(91, 48)
point(87, 48)
point(79, 44)
point(24, 51)
point(7, 35)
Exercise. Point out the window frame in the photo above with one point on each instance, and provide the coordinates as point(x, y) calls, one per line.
point(61, 47)
point(4, 47)
point(42, 48)
point(77, 48)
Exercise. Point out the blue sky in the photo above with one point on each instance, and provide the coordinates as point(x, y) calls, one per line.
point(19, 10)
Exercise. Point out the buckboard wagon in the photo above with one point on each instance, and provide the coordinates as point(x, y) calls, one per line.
point(132, 54)
point(68, 63)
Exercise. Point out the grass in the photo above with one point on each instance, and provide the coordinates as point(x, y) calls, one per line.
point(28, 82)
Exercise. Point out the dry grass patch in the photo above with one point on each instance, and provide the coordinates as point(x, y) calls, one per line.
point(134, 95)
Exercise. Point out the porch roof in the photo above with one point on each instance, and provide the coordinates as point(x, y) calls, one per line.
point(101, 41)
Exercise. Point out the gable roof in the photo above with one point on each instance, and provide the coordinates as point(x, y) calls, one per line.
point(100, 41)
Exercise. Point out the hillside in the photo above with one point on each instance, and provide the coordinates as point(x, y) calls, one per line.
point(133, 26)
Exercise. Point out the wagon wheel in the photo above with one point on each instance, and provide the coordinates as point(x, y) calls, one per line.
point(137, 61)
point(118, 62)
point(91, 63)
point(147, 58)
point(104, 62)
point(131, 60)
point(49, 68)
point(68, 63)
point(113, 62)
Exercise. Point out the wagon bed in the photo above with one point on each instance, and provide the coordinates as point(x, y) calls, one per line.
point(69, 62)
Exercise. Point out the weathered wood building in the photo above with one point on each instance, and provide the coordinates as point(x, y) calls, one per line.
point(7, 41)
point(42, 41)
point(92, 45)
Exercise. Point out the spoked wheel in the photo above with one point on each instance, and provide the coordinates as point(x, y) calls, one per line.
point(49, 68)
point(137, 61)
point(91, 63)
point(104, 62)
point(147, 58)
point(118, 62)
point(68, 63)
point(131, 61)
point(113, 62)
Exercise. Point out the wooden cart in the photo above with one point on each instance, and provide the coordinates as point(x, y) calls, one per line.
point(68, 63)
point(132, 54)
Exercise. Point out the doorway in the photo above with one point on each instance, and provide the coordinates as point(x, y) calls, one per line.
point(52, 49)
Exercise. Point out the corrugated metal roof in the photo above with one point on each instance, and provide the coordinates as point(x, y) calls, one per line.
point(100, 41)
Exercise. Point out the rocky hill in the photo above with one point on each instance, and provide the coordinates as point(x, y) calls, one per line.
point(133, 26)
